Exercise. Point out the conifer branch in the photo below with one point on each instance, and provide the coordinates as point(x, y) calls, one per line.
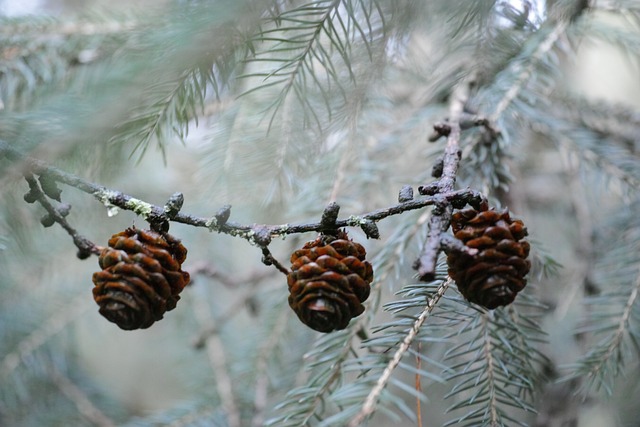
point(319, 47)
point(617, 164)
point(488, 356)
point(82, 402)
point(177, 102)
point(324, 33)
point(370, 403)
point(37, 51)
point(623, 324)
point(262, 379)
point(37, 338)
point(525, 73)
point(497, 364)
point(606, 358)
point(218, 360)
point(333, 351)
point(292, 69)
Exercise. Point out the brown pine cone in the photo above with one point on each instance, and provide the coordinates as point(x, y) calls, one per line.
point(494, 276)
point(140, 278)
point(328, 282)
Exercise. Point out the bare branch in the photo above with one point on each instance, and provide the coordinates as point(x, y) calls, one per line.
point(441, 215)
point(258, 234)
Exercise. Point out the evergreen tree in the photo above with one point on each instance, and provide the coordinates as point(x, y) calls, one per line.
point(245, 129)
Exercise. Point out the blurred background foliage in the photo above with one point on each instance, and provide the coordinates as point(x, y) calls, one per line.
point(277, 108)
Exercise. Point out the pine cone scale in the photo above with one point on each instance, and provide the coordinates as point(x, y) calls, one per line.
point(481, 242)
point(107, 259)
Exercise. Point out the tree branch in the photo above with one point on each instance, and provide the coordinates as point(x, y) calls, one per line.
point(262, 366)
point(488, 355)
point(618, 335)
point(80, 399)
point(258, 234)
point(50, 327)
point(526, 73)
point(369, 405)
point(218, 360)
point(441, 215)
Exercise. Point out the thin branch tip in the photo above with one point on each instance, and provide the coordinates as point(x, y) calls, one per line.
point(269, 260)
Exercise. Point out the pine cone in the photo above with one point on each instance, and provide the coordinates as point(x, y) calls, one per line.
point(495, 275)
point(328, 282)
point(140, 278)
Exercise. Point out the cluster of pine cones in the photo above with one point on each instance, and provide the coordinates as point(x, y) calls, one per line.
point(141, 275)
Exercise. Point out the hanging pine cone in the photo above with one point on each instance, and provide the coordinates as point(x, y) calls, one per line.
point(495, 275)
point(328, 282)
point(140, 278)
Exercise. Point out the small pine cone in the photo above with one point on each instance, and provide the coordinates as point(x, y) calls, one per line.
point(495, 275)
point(328, 282)
point(140, 278)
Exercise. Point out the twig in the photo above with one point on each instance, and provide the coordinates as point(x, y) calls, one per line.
point(584, 250)
point(372, 399)
point(232, 310)
point(487, 349)
point(620, 330)
point(84, 245)
point(459, 120)
point(269, 259)
point(84, 405)
point(262, 378)
point(335, 372)
point(467, 121)
point(252, 233)
point(217, 358)
point(441, 215)
point(230, 281)
point(418, 385)
point(235, 308)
